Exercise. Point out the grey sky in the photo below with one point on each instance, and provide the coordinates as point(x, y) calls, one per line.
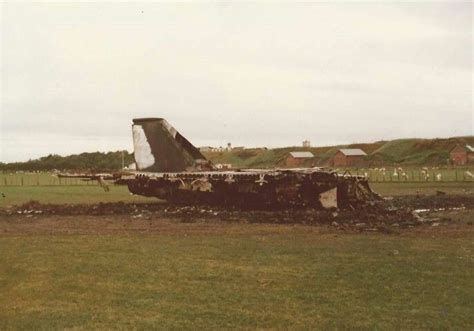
point(266, 74)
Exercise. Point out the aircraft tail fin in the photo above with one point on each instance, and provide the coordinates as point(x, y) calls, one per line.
point(158, 147)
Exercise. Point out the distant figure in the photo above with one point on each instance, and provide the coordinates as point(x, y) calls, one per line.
point(438, 177)
point(3, 195)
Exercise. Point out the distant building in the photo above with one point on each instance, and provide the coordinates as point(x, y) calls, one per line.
point(298, 159)
point(306, 143)
point(223, 166)
point(212, 149)
point(461, 155)
point(206, 149)
point(348, 157)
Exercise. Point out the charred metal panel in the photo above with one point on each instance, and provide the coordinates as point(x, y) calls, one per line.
point(315, 188)
point(159, 147)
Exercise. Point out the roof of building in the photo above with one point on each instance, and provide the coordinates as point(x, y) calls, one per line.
point(302, 155)
point(467, 148)
point(352, 152)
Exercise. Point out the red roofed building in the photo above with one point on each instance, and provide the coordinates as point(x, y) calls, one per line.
point(348, 157)
point(300, 159)
point(461, 155)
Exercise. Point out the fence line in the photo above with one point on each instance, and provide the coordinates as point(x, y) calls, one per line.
point(416, 176)
point(31, 180)
point(412, 176)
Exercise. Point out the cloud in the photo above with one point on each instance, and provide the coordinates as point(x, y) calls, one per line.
point(74, 75)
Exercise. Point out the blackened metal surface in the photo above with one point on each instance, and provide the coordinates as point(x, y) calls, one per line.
point(171, 151)
point(171, 168)
point(316, 188)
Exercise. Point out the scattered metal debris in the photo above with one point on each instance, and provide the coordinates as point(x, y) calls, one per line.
point(382, 217)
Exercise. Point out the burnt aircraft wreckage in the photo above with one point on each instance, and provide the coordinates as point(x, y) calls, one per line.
point(169, 167)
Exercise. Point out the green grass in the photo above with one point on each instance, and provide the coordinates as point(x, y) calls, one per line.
point(418, 151)
point(391, 189)
point(287, 277)
point(40, 179)
point(16, 195)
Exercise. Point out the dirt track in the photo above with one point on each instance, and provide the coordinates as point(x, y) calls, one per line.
point(388, 217)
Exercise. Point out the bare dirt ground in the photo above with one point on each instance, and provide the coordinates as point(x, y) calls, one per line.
point(447, 214)
point(457, 226)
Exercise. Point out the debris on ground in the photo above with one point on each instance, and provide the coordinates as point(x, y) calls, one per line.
point(386, 216)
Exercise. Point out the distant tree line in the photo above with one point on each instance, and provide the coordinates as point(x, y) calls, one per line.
point(93, 162)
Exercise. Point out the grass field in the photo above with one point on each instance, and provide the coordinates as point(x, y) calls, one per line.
point(188, 276)
point(40, 179)
point(16, 195)
point(119, 272)
point(395, 189)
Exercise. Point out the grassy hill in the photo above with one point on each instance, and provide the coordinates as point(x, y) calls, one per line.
point(417, 151)
point(414, 152)
point(85, 161)
point(408, 152)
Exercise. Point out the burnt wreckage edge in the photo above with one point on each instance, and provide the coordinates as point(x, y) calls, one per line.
point(171, 168)
point(316, 188)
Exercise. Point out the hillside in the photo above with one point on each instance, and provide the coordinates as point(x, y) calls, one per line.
point(85, 161)
point(415, 152)
point(408, 152)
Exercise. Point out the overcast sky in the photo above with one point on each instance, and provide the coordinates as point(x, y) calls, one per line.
point(74, 75)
